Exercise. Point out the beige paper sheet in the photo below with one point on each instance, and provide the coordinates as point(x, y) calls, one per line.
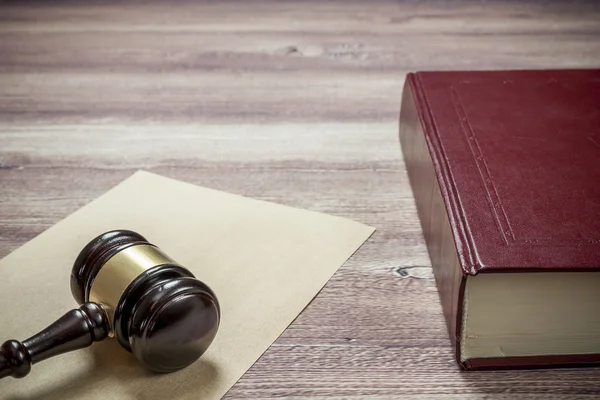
point(264, 261)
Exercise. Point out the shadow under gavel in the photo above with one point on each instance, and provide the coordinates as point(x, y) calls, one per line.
point(131, 290)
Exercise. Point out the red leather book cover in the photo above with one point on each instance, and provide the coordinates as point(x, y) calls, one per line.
point(505, 170)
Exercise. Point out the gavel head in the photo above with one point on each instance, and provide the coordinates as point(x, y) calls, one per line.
point(157, 309)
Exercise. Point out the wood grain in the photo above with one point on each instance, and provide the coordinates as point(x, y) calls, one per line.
point(293, 102)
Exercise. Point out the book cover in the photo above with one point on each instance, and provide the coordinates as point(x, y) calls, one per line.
point(505, 171)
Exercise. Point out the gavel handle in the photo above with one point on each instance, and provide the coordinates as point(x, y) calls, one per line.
point(75, 330)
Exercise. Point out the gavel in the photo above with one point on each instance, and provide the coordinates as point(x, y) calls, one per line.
point(132, 291)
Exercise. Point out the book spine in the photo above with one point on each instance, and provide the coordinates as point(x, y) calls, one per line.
point(425, 172)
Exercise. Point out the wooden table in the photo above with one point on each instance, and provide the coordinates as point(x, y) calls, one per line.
point(295, 103)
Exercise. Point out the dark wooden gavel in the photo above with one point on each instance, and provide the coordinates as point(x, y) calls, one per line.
point(131, 290)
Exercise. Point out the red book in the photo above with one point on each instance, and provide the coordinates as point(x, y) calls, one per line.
point(505, 171)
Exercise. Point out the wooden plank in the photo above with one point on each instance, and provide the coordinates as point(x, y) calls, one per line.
point(292, 102)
